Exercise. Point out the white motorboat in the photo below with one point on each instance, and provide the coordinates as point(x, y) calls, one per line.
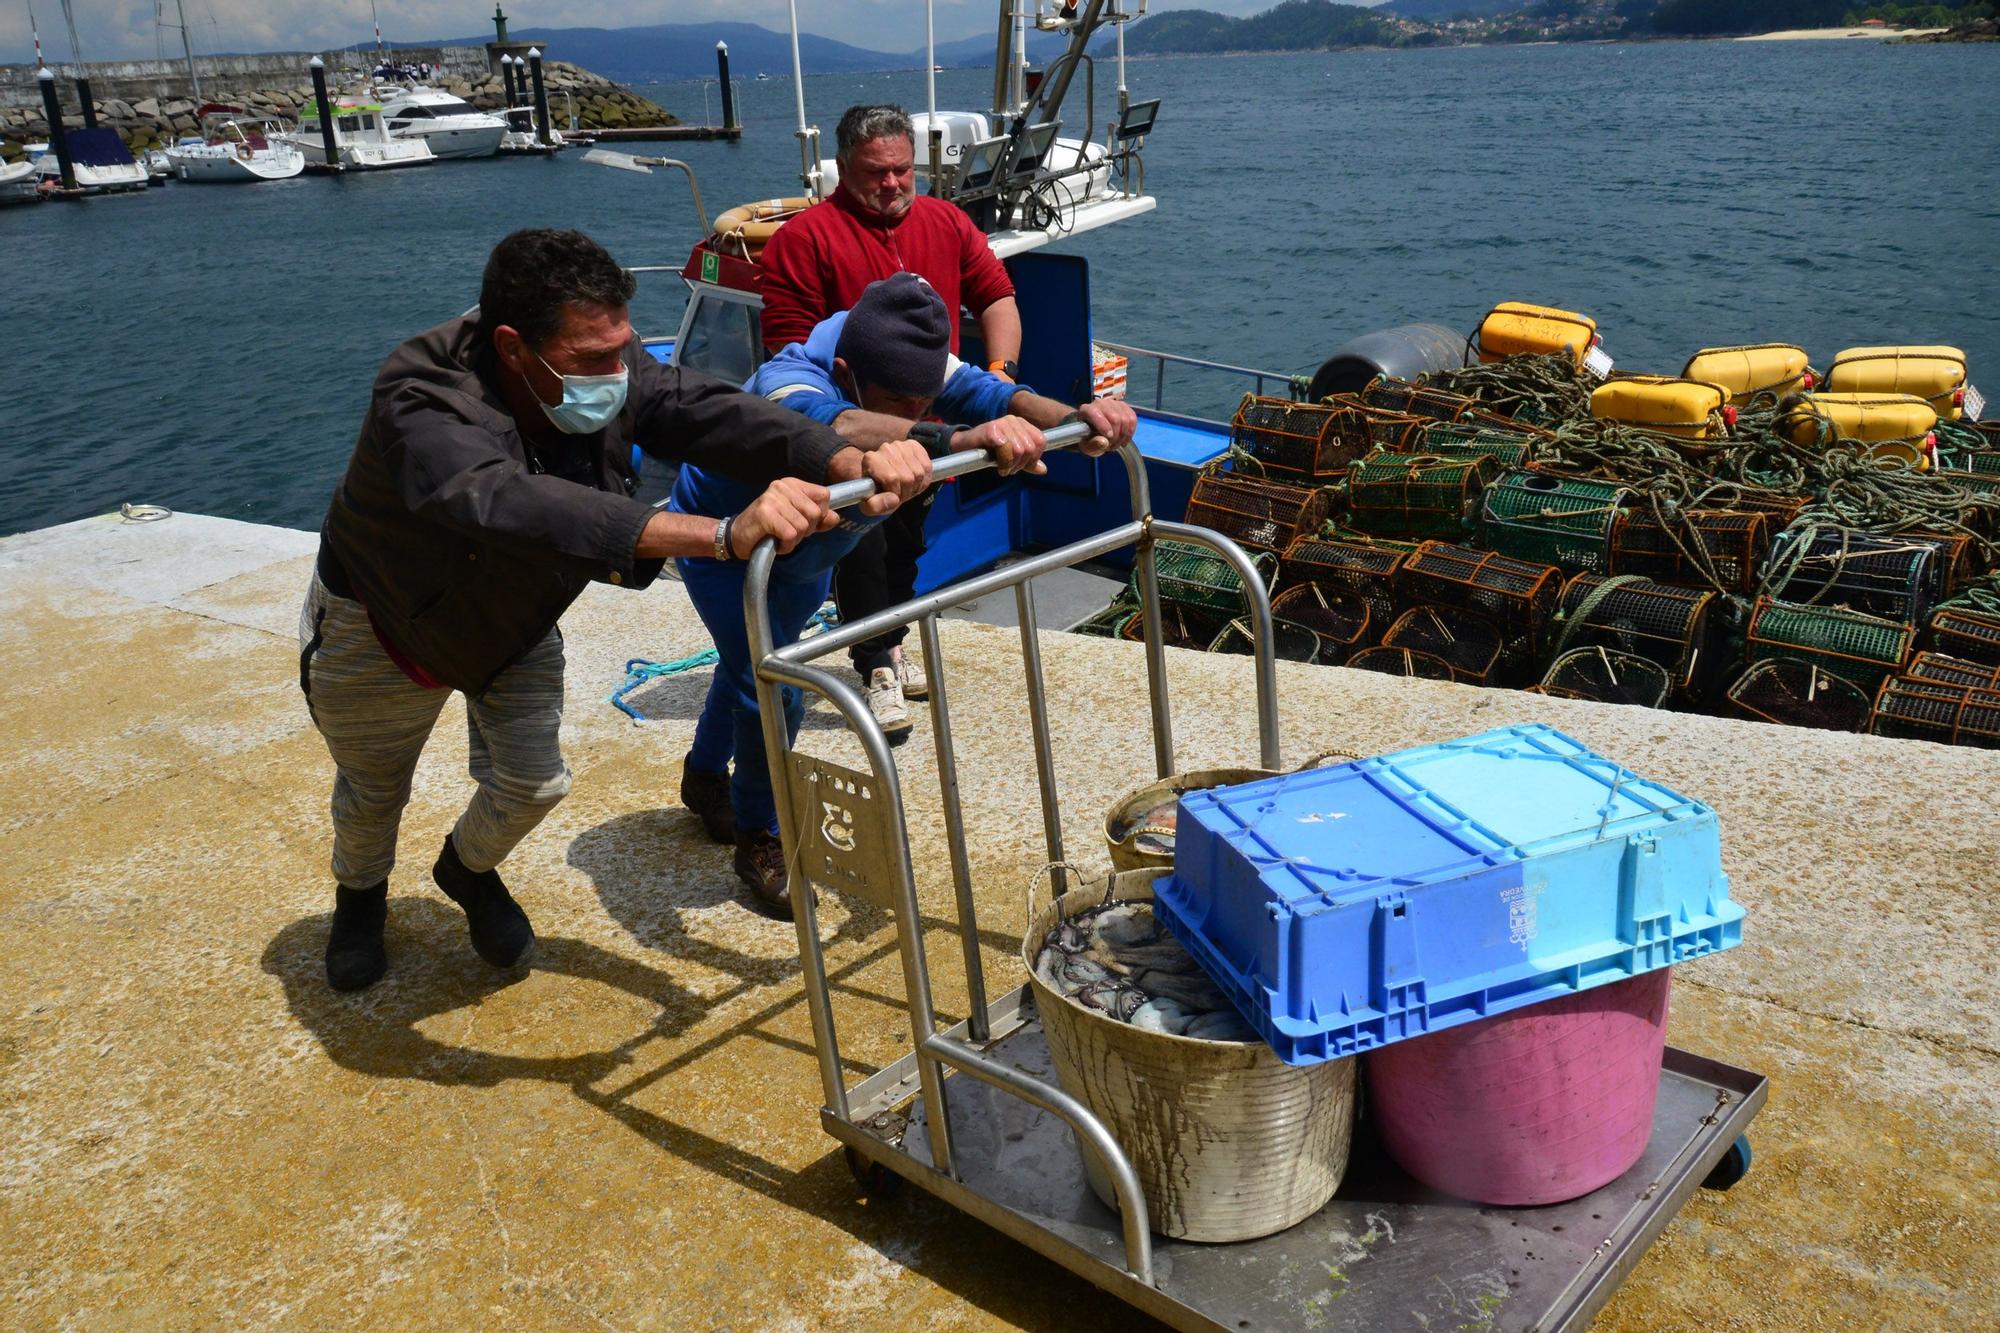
point(18, 181)
point(361, 140)
point(451, 126)
point(520, 136)
point(236, 146)
point(102, 162)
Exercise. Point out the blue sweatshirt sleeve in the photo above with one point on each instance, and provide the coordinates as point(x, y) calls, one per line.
point(972, 396)
point(795, 380)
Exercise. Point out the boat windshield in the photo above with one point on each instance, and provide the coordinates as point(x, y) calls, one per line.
point(454, 108)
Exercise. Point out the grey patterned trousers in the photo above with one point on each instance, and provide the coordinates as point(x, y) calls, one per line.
point(375, 721)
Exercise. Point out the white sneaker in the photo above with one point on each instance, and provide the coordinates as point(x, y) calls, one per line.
point(885, 701)
point(910, 671)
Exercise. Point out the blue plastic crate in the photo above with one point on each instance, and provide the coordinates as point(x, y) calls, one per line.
point(1345, 908)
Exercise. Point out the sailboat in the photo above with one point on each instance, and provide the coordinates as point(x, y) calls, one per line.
point(236, 146)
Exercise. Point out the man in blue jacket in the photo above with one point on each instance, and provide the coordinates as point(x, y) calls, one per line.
point(874, 373)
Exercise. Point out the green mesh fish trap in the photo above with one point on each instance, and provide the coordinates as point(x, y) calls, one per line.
point(1447, 439)
point(1300, 442)
point(1891, 577)
point(1924, 710)
point(1552, 520)
point(1663, 624)
point(1698, 547)
point(1415, 495)
point(1606, 677)
point(1795, 693)
point(1966, 632)
point(1108, 623)
point(1337, 616)
point(1289, 642)
point(1193, 576)
point(1470, 644)
point(1402, 662)
point(1367, 572)
point(1520, 597)
point(1262, 515)
point(1861, 648)
point(1941, 669)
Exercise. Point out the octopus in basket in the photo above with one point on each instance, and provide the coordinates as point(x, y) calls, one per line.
point(1121, 962)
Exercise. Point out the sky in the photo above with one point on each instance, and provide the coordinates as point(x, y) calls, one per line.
point(129, 30)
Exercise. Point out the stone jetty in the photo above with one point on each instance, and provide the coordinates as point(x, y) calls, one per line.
point(148, 122)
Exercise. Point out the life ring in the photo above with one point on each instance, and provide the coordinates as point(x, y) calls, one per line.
point(747, 228)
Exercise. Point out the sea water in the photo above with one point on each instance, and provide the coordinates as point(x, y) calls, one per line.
point(211, 347)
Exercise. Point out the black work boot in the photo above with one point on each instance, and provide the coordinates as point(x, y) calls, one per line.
point(500, 930)
point(707, 794)
point(355, 958)
point(760, 863)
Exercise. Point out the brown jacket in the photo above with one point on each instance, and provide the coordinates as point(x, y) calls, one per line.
point(466, 542)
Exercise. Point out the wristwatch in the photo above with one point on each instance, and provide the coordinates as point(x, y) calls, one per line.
point(1011, 369)
point(722, 549)
point(934, 436)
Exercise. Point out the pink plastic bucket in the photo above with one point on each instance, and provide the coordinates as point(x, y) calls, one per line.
point(1536, 1106)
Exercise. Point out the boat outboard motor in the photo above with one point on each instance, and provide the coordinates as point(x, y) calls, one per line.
point(1406, 351)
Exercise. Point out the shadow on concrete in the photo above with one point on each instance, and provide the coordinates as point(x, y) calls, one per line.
point(433, 971)
point(679, 699)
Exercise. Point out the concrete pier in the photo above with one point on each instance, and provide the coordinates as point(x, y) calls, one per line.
point(199, 1133)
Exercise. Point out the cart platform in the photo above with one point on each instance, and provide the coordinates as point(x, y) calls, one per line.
point(1386, 1253)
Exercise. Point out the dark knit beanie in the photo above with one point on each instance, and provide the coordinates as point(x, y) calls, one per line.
point(897, 337)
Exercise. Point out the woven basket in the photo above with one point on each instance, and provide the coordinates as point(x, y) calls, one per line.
point(1137, 843)
point(1229, 1142)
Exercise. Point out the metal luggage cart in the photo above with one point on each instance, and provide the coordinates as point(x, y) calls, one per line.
point(973, 1114)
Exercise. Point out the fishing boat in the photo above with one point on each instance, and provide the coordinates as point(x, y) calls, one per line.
point(451, 126)
point(235, 146)
point(101, 161)
point(18, 181)
point(361, 140)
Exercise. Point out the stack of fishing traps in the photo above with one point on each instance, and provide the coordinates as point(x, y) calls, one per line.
point(1416, 530)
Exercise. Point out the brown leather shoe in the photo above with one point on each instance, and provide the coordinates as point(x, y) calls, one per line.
point(707, 794)
point(760, 863)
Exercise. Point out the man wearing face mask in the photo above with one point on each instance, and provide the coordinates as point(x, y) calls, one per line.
point(489, 486)
point(873, 374)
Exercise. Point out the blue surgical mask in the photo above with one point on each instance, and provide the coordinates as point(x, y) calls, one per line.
point(590, 402)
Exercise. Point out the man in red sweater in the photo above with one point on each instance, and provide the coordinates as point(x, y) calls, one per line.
point(872, 226)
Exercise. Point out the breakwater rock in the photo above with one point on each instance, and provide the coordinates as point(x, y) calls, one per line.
point(1978, 30)
point(595, 102)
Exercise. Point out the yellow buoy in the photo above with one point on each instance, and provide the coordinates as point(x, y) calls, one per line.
point(1896, 427)
point(1934, 374)
point(1751, 369)
point(1515, 328)
point(1689, 409)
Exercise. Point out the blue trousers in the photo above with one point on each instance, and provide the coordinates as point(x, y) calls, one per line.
point(730, 725)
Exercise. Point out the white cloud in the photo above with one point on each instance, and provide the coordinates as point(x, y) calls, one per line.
point(127, 30)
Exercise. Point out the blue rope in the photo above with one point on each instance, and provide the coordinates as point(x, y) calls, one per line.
point(644, 671)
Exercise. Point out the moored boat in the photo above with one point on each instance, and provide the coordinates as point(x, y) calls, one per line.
point(361, 140)
point(236, 146)
point(451, 126)
point(101, 161)
point(17, 182)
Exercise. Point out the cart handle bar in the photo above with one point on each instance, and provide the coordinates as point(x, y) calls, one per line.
point(850, 493)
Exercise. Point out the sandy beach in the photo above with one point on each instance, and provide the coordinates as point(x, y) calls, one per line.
point(1819, 34)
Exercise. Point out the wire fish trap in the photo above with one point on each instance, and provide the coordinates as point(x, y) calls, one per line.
point(1924, 710)
point(1449, 439)
point(1967, 633)
point(1108, 623)
point(1415, 495)
point(1701, 547)
point(1665, 625)
point(1194, 576)
point(1337, 617)
point(1861, 648)
point(1404, 398)
point(1942, 669)
point(1402, 662)
point(1367, 572)
point(1289, 642)
point(1553, 520)
point(1263, 515)
point(1469, 644)
point(1520, 597)
point(1606, 677)
point(1889, 577)
point(1302, 441)
point(1181, 626)
point(1795, 693)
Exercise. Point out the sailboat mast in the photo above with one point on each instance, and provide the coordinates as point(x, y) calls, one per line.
point(75, 47)
point(36, 29)
point(187, 48)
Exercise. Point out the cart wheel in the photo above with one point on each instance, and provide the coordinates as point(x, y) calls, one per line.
point(1735, 1164)
point(877, 1180)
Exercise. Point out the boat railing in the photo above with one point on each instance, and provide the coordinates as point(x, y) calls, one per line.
point(1161, 360)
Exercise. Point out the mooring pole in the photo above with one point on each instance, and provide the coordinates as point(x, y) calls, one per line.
point(728, 94)
point(84, 99)
point(543, 134)
point(58, 144)
point(507, 77)
point(327, 144)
